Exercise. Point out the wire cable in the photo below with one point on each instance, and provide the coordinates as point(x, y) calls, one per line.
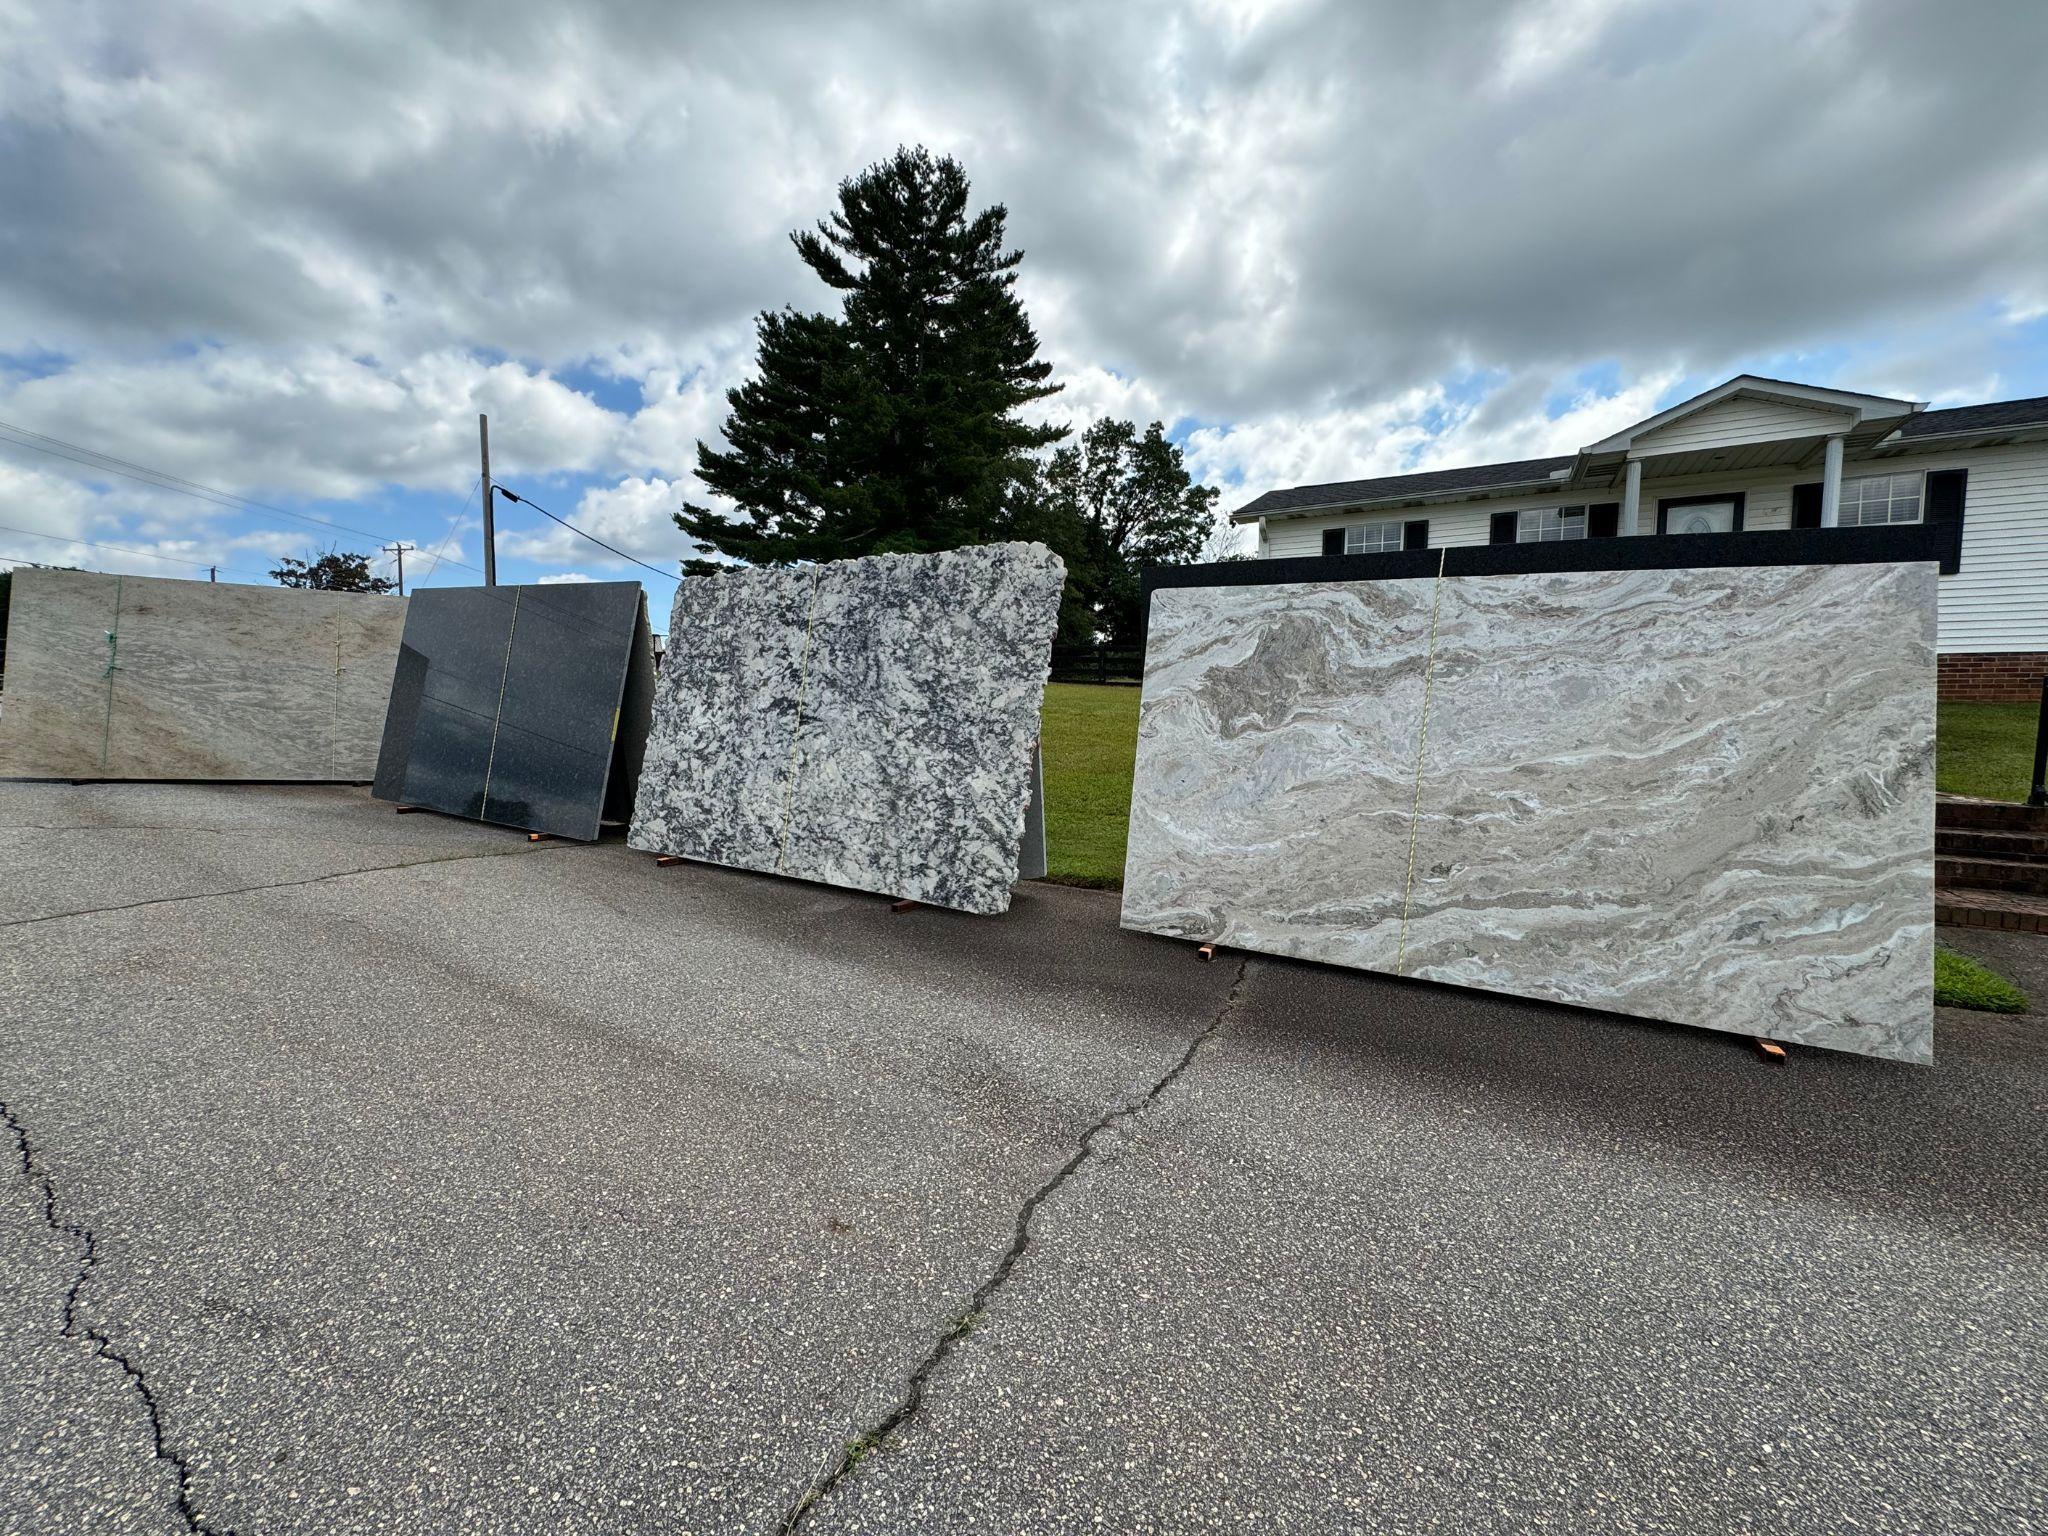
point(164, 480)
point(441, 547)
point(512, 495)
point(122, 549)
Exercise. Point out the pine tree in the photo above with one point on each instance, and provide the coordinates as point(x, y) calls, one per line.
point(894, 426)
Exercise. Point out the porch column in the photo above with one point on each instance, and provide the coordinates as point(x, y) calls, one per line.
point(1831, 484)
point(1631, 496)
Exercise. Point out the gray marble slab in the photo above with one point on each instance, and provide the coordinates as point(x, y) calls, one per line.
point(1703, 796)
point(1276, 767)
point(864, 723)
point(138, 677)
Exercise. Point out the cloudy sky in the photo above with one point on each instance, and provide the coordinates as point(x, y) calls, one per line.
point(291, 257)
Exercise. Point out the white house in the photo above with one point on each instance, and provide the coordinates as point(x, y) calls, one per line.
point(1751, 455)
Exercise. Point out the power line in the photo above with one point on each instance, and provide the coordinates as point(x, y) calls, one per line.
point(122, 549)
point(163, 480)
point(93, 458)
point(439, 548)
point(511, 495)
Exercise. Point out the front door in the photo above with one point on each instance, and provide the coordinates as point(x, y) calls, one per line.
point(1701, 517)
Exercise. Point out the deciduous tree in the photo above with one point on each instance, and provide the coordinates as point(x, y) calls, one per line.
point(1112, 504)
point(335, 571)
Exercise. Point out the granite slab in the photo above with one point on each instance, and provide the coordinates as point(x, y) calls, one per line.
point(521, 705)
point(1701, 796)
point(865, 723)
point(1275, 773)
point(139, 677)
point(715, 784)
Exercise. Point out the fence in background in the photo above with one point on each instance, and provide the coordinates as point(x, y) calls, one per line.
point(1097, 664)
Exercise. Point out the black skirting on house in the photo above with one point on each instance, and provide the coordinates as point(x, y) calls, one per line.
point(1938, 541)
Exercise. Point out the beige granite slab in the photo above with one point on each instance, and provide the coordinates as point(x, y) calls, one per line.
point(137, 677)
point(1702, 796)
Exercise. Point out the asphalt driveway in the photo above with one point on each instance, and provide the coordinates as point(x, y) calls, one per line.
point(385, 1173)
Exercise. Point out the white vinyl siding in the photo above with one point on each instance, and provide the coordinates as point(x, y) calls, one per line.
point(1458, 523)
point(1734, 423)
point(1997, 602)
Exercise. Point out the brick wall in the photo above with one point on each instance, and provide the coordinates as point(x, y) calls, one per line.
point(2013, 676)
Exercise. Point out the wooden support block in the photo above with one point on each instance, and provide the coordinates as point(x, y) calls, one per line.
point(905, 905)
point(406, 810)
point(1770, 1048)
point(668, 858)
point(1207, 951)
point(540, 837)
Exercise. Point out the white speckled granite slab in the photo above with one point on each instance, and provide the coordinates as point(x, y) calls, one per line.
point(142, 677)
point(864, 723)
point(1704, 796)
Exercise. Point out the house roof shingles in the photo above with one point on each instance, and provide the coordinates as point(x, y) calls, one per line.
point(1481, 477)
point(1472, 477)
point(1977, 418)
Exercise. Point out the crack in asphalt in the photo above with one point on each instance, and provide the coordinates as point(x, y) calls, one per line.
point(285, 885)
point(877, 1435)
point(103, 1347)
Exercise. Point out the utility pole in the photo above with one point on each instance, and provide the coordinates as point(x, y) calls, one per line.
point(398, 551)
point(213, 573)
point(483, 435)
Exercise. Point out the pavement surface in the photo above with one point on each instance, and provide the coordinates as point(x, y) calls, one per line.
point(378, 1173)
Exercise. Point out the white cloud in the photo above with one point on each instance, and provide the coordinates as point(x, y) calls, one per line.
point(294, 249)
point(51, 519)
point(1421, 430)
point(564, 579)
point(635, 515)
point(1336, 443)
point(1089, 393)
point(317, 423)
point(678, 411)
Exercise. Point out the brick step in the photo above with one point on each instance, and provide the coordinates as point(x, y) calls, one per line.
point(1991, 875)
point(2019, 847)
point(1961, 907)
point(1989, 815)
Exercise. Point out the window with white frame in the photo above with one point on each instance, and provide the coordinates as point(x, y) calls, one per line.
point(1872, 499)
point(1550, 525)
point(1372, 538)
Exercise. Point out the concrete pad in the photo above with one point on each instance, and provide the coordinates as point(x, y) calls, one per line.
point(557, 1182)
point(556, 1190)
point(71, 848)
point(75, 1442)
point(1392, 1257)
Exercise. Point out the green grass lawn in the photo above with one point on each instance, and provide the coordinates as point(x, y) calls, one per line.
point(1985, 750)
point(1960, 982)
point(1090, 737)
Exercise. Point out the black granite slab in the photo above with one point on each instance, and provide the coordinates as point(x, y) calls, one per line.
point(525, 706)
